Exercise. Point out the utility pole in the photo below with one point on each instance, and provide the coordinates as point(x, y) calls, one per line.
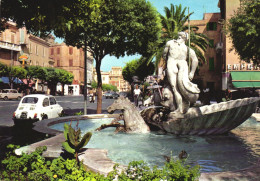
point(85, 77)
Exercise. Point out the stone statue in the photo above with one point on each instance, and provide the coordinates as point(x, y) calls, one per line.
point(133, 122)
point(179, 77)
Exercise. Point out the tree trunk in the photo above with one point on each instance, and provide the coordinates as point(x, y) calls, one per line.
point(99, 87)
point(62, 92)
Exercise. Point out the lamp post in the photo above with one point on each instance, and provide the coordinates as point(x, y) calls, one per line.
point(85, 77)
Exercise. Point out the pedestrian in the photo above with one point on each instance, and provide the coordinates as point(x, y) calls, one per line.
point(137, 93)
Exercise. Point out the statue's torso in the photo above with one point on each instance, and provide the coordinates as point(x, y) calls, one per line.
point(177, 51)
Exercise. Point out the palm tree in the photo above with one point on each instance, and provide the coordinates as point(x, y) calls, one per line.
point(173, 22)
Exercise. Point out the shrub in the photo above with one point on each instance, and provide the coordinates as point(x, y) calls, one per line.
point(35, 167)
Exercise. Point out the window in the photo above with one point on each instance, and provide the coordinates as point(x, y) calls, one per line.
point(45, 102)
point(36, 49)
point(71, 50)
point(58, 50)
point(52, 51)
point(211, 43)
point(52, 101)
point(70, 62)
point(31, 100)
point(30, 48)
point(43, 51)
point(212, 26)
point(58, 63)
point(211, 64)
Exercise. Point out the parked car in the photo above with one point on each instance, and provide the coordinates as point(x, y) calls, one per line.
point(36, 107)
point(112, 95)
point(10, 94)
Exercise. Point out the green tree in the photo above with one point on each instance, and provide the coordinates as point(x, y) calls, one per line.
point(15, 72)
point(43, 17)
point(137, 67)
point(65, 77)
point(124, 27)
point(52, 78)
point(174, 21)
point(105, 87)
point(35, 72)
point(244, 29)
point(109, 87)
point(3, 70)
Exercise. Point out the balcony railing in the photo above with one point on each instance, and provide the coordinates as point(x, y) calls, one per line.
point(10, 46)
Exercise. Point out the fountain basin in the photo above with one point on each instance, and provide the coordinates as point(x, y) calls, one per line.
point(213, 119)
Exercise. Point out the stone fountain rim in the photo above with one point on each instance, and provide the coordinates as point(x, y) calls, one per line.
point(44, 125)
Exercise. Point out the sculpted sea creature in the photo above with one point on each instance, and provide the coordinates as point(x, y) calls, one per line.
point(133, 121)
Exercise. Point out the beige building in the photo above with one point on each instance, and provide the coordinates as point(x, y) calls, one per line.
point(113, 77)
point(116, 79)
point(210, 72)
point(72, 59)
point(104, 76)
point(17, 43)
point(237, 73)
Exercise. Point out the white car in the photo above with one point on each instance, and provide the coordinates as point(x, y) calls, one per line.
point(10, 94)
point(36, 107)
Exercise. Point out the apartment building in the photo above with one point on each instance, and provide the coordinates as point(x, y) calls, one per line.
point(17, 47)
point(113, 77)
point(72, 59)
point(237, 73)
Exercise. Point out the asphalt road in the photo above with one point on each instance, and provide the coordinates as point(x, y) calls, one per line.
point(11, 134)
point(71, 105)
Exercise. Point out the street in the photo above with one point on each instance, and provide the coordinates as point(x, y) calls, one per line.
point(71, 105)
point(10, 134)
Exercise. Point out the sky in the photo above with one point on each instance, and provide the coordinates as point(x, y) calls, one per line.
point(197, 6)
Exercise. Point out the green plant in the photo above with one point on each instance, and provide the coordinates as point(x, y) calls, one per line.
point(35, 167)
point(78, 113)
point(74, 143)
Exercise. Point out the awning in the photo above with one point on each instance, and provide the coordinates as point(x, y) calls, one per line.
point(246, 79)
point(6, 80)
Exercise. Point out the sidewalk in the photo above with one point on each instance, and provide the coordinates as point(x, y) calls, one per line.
point(256, 116)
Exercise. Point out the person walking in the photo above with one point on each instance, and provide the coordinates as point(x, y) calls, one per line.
point(137, 93)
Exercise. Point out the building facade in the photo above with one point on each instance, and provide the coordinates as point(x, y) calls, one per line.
point(116, 79)
point(17, 43)
point(237, 73)
point(210, 72)
point(72, 59)
point(113, 77)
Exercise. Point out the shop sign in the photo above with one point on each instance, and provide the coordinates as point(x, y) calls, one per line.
point(242, 66)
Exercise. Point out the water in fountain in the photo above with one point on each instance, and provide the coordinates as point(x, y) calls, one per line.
point(213, 153)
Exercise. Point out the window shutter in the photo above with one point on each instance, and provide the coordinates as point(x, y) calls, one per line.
point(211, 64)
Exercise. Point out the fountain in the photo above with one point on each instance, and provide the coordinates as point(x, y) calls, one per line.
point(175, 114)
point(179, 123)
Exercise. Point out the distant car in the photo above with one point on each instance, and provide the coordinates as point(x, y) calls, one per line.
point(36, 107)
point(112, 95)
point(10, 94)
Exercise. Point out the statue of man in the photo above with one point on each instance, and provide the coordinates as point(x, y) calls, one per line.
point(178, 75)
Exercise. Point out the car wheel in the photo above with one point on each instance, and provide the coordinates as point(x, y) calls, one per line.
point(5, 98)
point(18, 98)
point(45, 116)
point(62, 113)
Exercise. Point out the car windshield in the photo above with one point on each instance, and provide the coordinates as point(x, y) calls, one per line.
point(30, 100)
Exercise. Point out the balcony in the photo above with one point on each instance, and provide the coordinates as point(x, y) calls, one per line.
point(10, 46)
